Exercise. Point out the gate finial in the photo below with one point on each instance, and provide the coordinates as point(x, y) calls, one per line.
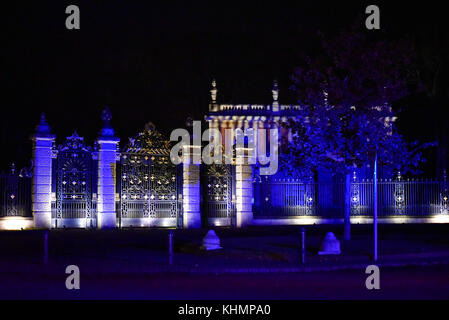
point(106, 116)
point(43, 127)
point(275, 91)
point(275, 94)
point(75, 136)
point(213, 91)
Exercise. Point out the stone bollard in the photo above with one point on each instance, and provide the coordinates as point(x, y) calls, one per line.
point(211, 241)
point(330, 245)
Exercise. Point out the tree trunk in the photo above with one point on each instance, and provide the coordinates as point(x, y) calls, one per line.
point(347, 221)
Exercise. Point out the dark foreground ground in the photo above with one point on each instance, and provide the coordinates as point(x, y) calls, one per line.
point(134, 264)
point(395, 283)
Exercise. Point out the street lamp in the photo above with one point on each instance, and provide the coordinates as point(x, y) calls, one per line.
point(375, 207)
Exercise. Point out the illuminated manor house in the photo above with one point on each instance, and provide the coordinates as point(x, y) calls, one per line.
point(251, 116)
point(269, 117)
point(135, 184)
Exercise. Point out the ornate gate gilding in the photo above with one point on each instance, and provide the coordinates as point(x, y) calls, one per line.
point(74, 173)
point(148, 181)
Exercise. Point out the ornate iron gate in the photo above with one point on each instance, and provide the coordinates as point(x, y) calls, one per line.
point(283, 195)
point(15, 193)
point(148, 182)
point(74, 177)
point(218, 194)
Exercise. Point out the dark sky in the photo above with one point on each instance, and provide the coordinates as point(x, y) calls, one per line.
point(154, 61)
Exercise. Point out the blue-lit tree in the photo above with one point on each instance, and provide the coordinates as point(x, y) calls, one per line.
point(346, 94)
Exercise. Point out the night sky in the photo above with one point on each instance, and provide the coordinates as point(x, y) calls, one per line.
point(154, 61)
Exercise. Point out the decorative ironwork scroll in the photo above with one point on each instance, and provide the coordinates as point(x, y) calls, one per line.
point(148, 183)
point(444, 197)
point(399, 195)
point(135, 185)
point(12, 191)
point(163, 186)
point(15, 193)
point(149, 141)
point(309, 197)
point(355, 195)
point(74, 179)
point(219, 190)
